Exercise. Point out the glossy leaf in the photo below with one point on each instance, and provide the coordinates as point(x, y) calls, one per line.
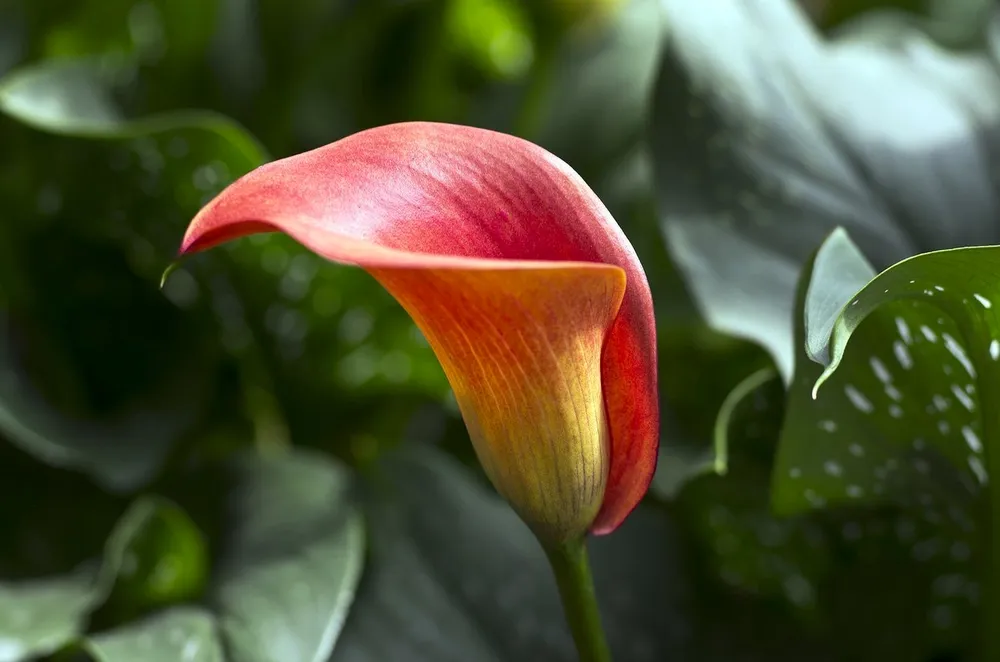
point(290, 558)
point(763, 145)
point(957, 24)
point(76, 396)
point(454, 575)
point(76, 97)
point(897, 419)
point(858, 574)
point(40, 616)
point(181, 634)
point(165, 562)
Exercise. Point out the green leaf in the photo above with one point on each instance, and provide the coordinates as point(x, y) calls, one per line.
point(107, 450)
point(455, 575)
point(954, 23)
point(897, 418)
point(763, 145)
point(164, 562)
point(678, 464)
point(290, 558)
point(76, 97)
point(185, 634)
point(859, 576)
point(82, 396)
point(40, 616)
point(600, 87)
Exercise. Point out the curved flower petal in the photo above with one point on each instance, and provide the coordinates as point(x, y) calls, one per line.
point(505, 234)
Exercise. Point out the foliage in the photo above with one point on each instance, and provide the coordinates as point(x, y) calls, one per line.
point(263, 462)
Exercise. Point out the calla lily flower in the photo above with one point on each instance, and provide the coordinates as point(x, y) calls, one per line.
point(527, 290)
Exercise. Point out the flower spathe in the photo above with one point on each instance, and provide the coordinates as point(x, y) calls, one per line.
point(527, 290)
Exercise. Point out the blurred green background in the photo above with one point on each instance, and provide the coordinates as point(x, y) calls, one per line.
point(262, 461)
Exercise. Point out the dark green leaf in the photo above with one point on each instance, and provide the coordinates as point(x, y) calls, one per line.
point(181, 634)
point(896, 419)
point(165, 562)
point(869, 581)
point(76, 97)
point(290, 560)
point(600, 88)
point(83, 395)
point(455, 575)
point(40, 616)
point(108, 450)
point(769, 138)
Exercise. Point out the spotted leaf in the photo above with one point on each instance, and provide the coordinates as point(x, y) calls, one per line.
point(904, 413)
point(867, 571)
point(764, 145)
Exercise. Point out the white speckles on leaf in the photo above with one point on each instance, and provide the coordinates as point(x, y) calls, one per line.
point(904, 330)
point(963, 397)
point(860, 402)
point(902, 355)
point(959, 353)
point(972, 439)
point(976, 465)
point(983, 300)
point(928, 333)
point(880, 370)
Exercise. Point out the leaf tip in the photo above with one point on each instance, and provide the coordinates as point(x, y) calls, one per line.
point(171, 268)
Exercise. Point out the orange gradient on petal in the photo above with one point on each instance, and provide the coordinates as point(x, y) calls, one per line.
point(522, 351)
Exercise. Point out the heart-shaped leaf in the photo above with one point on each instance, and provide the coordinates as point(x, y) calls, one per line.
point(767, 139)
point(903, 414)
point(181, 634)
point(290, 558)
point(455, 575)
point(889, 581)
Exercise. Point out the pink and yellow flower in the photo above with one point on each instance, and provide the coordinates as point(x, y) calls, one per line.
point(527, 290)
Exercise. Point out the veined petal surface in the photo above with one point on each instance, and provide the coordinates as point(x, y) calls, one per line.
point(445, 199)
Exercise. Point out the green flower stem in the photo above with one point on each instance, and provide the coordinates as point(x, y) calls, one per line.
point(576, 588)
